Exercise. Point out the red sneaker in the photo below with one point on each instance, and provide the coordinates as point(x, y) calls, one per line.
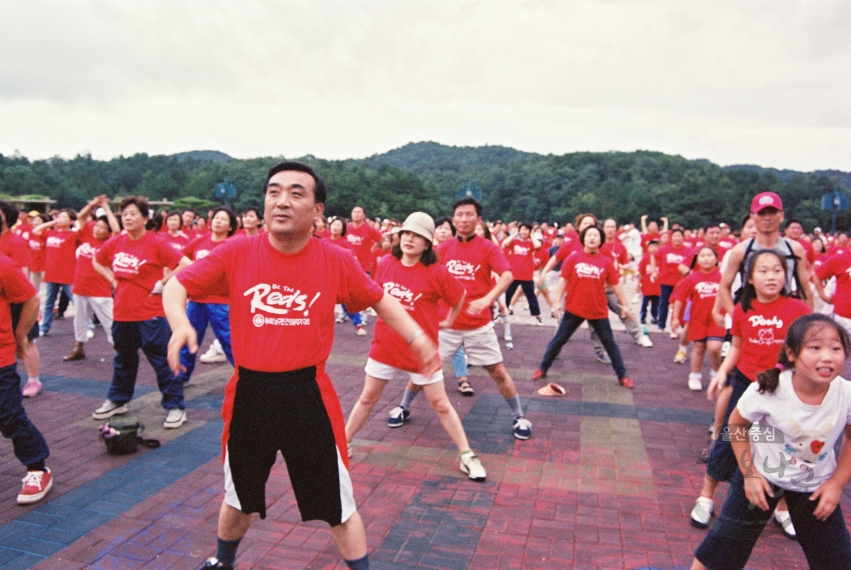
point(538, 374)
point(36, 485)
point(627, 383)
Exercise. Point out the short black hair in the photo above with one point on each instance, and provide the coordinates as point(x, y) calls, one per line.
point(320, 192)
point(342, 221)
point(171, 213)
point(256, 211)
point(445, 220)
point(525, 225)
point(677, 230)
point(711, 225)
point(467, 201)
point(10, 213)
point(585, 231)
point(140, 202)
point(794, 221)
point(231, 218)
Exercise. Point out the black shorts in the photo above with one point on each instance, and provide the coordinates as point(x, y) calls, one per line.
point(287, 412)
point(16, 309)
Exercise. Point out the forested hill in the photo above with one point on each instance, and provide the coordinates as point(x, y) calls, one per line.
point(427, 176)
point(520, 185)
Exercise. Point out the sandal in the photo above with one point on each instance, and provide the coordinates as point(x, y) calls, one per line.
point(465, 388)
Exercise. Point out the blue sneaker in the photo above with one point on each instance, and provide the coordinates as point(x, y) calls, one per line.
point(522, 428)
point(398, 417)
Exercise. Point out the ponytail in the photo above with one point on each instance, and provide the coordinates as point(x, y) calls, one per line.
point(768, 380)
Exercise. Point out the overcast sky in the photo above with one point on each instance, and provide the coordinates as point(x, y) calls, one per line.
point(736, 81)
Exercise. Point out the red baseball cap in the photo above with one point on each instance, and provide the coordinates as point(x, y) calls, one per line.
point(766, 200)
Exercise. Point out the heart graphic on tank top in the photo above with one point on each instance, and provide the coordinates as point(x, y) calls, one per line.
point(816, 446)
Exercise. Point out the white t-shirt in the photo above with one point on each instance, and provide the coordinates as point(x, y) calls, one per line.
point(793, 448)
point(632, 242)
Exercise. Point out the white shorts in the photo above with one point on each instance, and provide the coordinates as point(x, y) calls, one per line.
point(386, 372)
point(480, 345)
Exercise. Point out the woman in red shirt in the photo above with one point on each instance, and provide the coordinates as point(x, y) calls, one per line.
point(60, 243)
point(92, 293)
point(585, 273)
point(412, 275)
point(135, 263)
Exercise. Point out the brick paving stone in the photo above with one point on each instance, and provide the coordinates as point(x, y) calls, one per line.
point(607, 481)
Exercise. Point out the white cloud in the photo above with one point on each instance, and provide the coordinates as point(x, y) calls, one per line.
point(762, 81)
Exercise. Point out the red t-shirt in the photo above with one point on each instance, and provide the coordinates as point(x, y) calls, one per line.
point(36, 253)
point(649, 279)
point(323, 234)
point(418, 288)
point(587, 276)
point(14, 246)
point(669, 258)
point(520, 255)
point(60, 248)
point(24, 230)
point(701, 289)
point(617, 251)
point(647, 237)
point(178, 242)
point(472, 263)
point(542, 254)
point(197, 249)
point(567, 248)
point(362, 240)
point(87, 281)
point(838, 266)
point(137, 266)
point(763, 332)
point(281, 306)
point(14, 288)
point(341, 243)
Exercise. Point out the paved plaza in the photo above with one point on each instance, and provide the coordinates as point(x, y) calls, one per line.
point(607, 480)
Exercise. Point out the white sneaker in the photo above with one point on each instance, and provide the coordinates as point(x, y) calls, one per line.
point(784, 521)
point(645, 341)
point(174, 419)
point(701, 514)
point(90, 334)
point(212, 356)
point(472, 466)
point(695, 383)
point(109, 409)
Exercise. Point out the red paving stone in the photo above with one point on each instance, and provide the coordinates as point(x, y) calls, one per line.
point(419, 510)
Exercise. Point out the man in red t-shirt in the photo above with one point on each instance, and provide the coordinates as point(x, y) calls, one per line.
point(520, 248)
point(29, 445)
point(362, 236)
point(282, 286)
point(137, 263)
point(614, 249)
point(472, 260)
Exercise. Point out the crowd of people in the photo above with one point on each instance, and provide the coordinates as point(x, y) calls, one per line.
point(281, 276)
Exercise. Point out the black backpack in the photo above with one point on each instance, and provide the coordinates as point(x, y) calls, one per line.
point(123, 435)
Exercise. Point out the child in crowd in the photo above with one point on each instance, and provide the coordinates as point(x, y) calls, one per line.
point(802, 411)
point(650, 289)
point(700, 290)
point(760, 322)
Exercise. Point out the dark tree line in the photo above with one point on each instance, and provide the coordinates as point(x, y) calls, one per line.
point(427, 176)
